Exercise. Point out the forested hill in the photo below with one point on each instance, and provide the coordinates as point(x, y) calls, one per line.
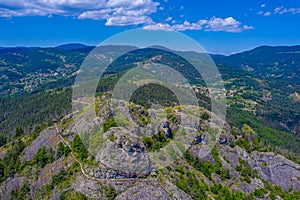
point(26, 69)
point(42, 157)
point(278, 63)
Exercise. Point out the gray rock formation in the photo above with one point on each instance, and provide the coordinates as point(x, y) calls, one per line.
point(47, 138)
point(145, 190)
point(275, 169)
point(88, 187)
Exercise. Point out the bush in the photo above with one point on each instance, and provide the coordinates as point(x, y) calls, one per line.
point(107, 124)
point(205, 116)
point(260, 192)
point(109, 192)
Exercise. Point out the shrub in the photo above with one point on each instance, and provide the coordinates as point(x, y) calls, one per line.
point(107, 124)
point(205, 116)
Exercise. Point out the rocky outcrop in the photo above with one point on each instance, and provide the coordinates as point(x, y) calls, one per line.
point(275, 169)
point(175, 192)
point(47, 138)
point(124, 152)
point(166, 128)
point(120, 185)
point(113, 174)
point(88, 187)
point(200, 139)
point(145, 190)
point(225, 139)
point(13, 183)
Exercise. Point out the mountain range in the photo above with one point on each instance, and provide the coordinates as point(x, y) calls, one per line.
point(256, 155)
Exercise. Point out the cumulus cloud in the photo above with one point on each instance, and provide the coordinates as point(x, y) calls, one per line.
point(228, 24)
point(159, 27)
point(263, 5)
point(115, 12)
point(214, 24)
point(96, 14)
point(267, 14)
point(176, 27)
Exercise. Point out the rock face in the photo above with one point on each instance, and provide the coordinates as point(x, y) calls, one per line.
point(166, 128)
point(225, 139)
point(129, 144)
point(175, 192)
point(113, 174)
point(145, 190)
point(11, 184)
point(47, 138)
point(275, 169)
point(200, 139)
point(124, 153)
point(88, 187)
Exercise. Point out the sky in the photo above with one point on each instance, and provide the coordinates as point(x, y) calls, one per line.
point(220, 26)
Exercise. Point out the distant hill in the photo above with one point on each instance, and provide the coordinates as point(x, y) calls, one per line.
point(276, 63)
point(71, 46)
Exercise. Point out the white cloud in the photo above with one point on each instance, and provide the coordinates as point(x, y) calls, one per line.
point(246, 27)
point(159, 27)
point(263, 5)
point(115, 12)
point(260, 12)
point(96, 14)
point(47, 7)
point(176, 27)
point(168, 19)
point(282, 10)
point(128, 20)
point(214, 24)
point(266, 14)
point(228, 24)
point(278, 9)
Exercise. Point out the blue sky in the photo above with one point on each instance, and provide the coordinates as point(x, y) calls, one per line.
point(220, 26)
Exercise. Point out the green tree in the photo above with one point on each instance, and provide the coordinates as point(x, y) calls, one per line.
point(19, 131)
point(41, 158)
point(205, 116)
point(79, 148)
point(60, 150)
